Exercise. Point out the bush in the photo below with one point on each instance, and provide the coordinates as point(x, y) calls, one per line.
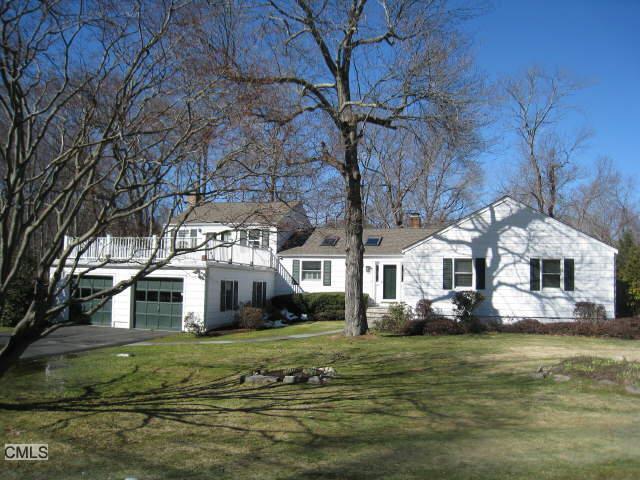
point(194, 324)
point(318, 306)
point(17, 299)
point(397, 320)
point(443, 326)
point(250, 317)
point(424, 309)
point(525, 326)
point(589, 312)
point(465, 302)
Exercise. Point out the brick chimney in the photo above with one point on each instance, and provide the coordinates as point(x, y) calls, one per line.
point(414, 220)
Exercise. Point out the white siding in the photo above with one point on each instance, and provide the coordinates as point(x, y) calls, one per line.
point(338, 273)
point(214, 317)
point(508, 234)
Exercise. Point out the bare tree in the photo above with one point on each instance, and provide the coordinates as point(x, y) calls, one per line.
point(538, 101)
point(96, 126)
point(346, 66)
point(422, 173)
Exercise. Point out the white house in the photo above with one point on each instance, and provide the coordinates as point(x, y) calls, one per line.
point(238, 264)
point(525, 263)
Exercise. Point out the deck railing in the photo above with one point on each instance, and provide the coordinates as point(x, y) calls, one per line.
point(182, 249)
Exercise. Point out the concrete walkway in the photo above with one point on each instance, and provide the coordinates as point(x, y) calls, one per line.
point(247, 340)
point(78, 338)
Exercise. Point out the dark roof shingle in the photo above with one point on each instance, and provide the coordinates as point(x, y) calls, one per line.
point(239, 213)
point(393, 241)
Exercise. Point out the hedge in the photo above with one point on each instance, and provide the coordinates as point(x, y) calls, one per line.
point(318, 306)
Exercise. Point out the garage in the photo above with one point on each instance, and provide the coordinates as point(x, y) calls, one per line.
point(158, 304)
point(89, 285)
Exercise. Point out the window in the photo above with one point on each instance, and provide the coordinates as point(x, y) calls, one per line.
point(254, 238)
point(187, 238)
point(329, 241)
point(373, 241)
point(462, 272)
point(311, 270)
point(228, 295)
point(550, 273)
point(259, 295)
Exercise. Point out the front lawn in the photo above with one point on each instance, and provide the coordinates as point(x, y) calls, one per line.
point(454, 407)
point(302, 328)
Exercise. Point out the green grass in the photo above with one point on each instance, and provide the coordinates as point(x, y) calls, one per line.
point(461, 407)
point(6, 329)
point(296, 329)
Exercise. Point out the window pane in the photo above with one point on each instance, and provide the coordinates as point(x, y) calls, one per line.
point(463, 266)
point(165, 297)
point(311, 265)
point(551, 266)
point(550, 280)
point(464, 280)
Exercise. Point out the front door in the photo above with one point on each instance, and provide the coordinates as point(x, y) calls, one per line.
point(389, 282)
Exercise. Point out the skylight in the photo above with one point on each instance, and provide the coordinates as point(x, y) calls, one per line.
point(373, 241)
point(329, 241)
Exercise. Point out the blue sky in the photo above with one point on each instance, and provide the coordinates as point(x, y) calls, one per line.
point(596, 41)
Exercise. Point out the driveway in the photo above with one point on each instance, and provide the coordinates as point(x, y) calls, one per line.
point(78, 338)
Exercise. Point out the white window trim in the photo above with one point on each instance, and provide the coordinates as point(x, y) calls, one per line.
point(302, 270)
point(542, 260)
point(473, 274)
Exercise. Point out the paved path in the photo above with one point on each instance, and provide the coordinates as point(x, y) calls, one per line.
point(247, 340)
point(78, 338)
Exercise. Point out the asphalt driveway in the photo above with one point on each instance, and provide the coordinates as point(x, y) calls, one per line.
point(78, 338)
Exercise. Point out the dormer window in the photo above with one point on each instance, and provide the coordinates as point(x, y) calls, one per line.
point(373, 241)
point(329, 241)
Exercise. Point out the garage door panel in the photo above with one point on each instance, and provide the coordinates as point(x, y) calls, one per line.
point(89, 285)
point(159, 304)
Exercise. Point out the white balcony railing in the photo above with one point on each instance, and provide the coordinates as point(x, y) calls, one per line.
point(186, 249)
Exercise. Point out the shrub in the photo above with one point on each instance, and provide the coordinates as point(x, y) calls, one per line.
point(17, 299)
point(250, 317)
point(589, 312)
point(396, 321)
point(194, 324)
point(424, 309)
point(525, 326)
point(442, 326)
point(465, 302)
point(318, 306)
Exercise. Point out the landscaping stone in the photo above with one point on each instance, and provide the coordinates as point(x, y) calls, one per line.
point(289, 379)
point(606, 382)
point(561, 378)
point(632, 389)
point(315, 380)
point(327, 371)
point(260, 379)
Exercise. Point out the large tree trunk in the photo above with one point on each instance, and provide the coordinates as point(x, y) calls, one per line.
point(355, 309)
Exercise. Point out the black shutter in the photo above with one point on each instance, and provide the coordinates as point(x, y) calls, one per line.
point(447, 273)
point(254, 296)
point(235, 294)
point(481, 269)
point(326, 279)
point(243, 237)
point(265, 239)
point(534, 274)
point(222, 302)
point(296, 271)
point(569, 273)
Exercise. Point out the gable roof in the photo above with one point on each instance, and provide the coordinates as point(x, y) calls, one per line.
point(239, 213)
point(394, 240)
point(503, 199)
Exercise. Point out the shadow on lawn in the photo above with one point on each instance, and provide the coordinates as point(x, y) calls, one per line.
point(199, 404)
